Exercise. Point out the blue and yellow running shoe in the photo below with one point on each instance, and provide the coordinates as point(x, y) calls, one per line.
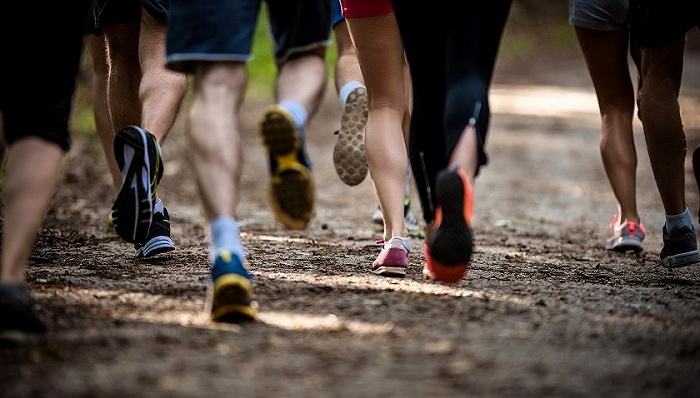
point(230, 296)
point(291, 193)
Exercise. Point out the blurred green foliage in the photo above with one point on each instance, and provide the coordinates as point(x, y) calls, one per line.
point(262, 69)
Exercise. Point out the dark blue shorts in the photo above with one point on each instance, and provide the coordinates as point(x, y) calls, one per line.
point(337, 13)
point(38, 86)
point(655, 23)
point(223, 30)
point(605, 15)
point(105, 13)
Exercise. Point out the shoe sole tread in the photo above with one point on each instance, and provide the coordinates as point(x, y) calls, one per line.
point(452, 242)
point(291, 192)
point(630, 244)
point(349, 156)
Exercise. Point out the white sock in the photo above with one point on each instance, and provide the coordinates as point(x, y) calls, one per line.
point(226, 235)
point(678, 221)
point(345, 91)
point(297, 110)
point(405, 242)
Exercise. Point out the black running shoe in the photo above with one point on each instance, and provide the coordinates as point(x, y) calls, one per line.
point(19, 324)
point(138, 156)
point(158, 240)
point(680, 248)
point(448, 250)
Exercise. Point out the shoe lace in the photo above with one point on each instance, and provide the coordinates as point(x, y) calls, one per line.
point(631, 225)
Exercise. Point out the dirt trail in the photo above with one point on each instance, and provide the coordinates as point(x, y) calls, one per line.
point(544, 311)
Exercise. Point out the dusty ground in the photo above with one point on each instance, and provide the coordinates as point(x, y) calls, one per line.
point(544, 311)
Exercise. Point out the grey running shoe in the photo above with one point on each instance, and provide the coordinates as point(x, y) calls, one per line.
point(412, 225)
point(291, 193)
point(627, 237)
point(377, 216)
point(410, 220)
point(158, 240)
point(19, 324)
point(680, 248)
point(349, 156)
point(414, 229)
point(138, 156)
